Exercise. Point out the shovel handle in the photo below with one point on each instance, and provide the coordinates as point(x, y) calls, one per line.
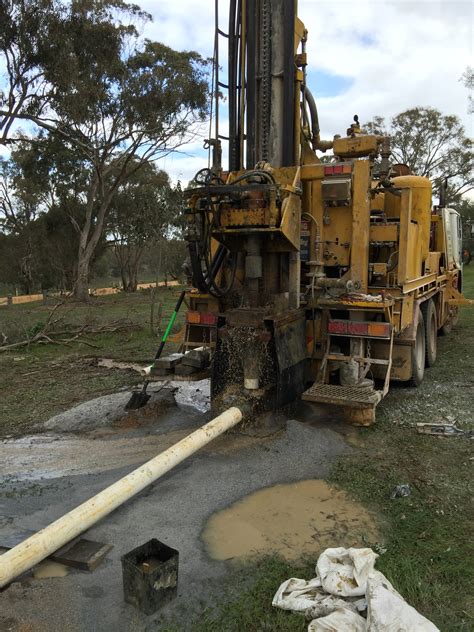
point(170, 324)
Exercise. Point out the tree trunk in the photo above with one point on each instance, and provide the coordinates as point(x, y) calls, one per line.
point(81, 288)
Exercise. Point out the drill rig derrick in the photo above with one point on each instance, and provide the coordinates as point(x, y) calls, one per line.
point(244, 224)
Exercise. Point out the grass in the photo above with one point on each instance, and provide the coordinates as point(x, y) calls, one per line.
point(42, 380)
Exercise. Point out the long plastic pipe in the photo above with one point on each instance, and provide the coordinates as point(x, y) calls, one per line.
point(36, 548)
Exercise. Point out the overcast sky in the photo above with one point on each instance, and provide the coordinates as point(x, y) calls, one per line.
point(365, 56)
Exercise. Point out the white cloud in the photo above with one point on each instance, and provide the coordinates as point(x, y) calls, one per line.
point(418, 54)
point(397, 54)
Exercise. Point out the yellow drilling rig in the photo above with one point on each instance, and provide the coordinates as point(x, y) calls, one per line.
point(320, 280)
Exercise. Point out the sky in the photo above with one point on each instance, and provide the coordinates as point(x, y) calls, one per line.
point(366, 57)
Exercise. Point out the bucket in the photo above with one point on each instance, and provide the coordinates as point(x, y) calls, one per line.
point(150, 576)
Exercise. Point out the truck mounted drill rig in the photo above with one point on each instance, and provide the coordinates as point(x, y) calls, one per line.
point(320, 280)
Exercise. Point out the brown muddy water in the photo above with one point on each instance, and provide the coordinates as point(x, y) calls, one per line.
point(290, 520)
point(46, 569)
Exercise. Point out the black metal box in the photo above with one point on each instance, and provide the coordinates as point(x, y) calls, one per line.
point(150, 576)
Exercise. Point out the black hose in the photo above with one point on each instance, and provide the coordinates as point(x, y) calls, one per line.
point(257, 172)
point(313, 112)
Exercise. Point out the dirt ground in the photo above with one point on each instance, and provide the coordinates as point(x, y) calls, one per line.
point(422, 538)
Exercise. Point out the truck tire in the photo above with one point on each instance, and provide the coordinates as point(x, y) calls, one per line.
point(431, 331)
point(418, 354)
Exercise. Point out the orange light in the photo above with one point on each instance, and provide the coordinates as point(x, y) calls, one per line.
point(381, 330)
point(193, 317)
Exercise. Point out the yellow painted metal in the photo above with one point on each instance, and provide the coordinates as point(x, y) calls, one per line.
point(401, 360)
point(291, 220)
point(360, 224)
point(357, 146)
point(407, 306)
point(312, 172)
point(420, 208)
point(403, 250)
point(455, 298)
point(420, 282)
point(432, 262)
point(384, 232)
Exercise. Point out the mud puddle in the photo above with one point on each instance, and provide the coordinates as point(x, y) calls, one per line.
point(291, 520)
point(48, 569)
point(45, 569)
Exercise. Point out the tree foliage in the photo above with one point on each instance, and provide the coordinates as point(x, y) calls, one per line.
point(468, 81)
point(144, 211)
point(80, 72)
point(431, 144)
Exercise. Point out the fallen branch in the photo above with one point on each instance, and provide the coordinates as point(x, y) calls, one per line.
point(55, 331)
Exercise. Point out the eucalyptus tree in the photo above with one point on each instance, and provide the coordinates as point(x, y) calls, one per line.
point(81, 72)
point(144, 212)
point(431, 144)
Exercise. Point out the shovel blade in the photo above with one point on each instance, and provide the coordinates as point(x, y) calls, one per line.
point(137, 400)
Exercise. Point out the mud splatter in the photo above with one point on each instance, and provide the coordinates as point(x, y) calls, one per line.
point(291, 520)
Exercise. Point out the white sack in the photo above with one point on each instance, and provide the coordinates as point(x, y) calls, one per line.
point(298, 595)
point(338, 621)
point(330, 598)
point(344, 572)
point(387, 611)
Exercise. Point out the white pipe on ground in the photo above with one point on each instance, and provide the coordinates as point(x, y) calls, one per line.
point(36, 548)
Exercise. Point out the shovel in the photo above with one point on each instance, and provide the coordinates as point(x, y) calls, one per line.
point(140, 397)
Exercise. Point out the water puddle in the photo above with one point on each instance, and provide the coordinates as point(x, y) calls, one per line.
point(45, 570)
point(291, 520)
point(48, 569)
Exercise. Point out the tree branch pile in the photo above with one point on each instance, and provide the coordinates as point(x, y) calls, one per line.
point(57, 331)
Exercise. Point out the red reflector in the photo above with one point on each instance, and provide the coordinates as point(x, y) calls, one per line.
point(338, 169)
point(208, 318)
point(328, 171)
point(337, 327)
point(357, 329)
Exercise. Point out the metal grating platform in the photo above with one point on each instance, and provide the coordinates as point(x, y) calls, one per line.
point(355, 396)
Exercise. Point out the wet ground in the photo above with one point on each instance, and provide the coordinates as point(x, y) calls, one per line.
point(190, 508)
point(291, 519)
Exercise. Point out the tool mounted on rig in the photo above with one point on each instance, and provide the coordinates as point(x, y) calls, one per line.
point(308, 274)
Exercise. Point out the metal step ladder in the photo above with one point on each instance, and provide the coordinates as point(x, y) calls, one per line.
point(354, 396)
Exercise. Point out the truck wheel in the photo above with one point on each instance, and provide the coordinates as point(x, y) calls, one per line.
point(418, 354)
point(431, 331)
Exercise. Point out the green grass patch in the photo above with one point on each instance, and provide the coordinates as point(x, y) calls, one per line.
point(246, 601)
